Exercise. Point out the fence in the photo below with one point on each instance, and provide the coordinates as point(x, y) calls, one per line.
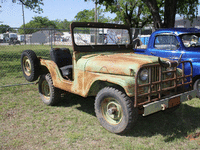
point(41, 41)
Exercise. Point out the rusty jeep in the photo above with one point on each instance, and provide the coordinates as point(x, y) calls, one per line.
point(103, 64)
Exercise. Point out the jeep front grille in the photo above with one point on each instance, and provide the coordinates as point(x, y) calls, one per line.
point(161, 83)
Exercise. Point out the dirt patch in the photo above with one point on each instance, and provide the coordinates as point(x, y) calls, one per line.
point(195, 136)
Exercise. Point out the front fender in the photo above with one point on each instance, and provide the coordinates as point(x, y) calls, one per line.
point(196, 68)
point(100, 81)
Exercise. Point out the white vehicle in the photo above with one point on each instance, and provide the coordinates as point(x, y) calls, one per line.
point(10, 38)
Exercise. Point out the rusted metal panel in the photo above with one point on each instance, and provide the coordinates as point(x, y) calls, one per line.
point(164, 103)
point(126, 82)
point(159, 85)
point(117, 63)
point(83, 80)
point(174, 102)
point(58, 80)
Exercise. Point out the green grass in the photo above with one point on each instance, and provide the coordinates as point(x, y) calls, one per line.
point(10, 65)
point(26, 123)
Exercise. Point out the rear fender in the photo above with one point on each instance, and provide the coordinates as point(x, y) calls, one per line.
point(58, 80)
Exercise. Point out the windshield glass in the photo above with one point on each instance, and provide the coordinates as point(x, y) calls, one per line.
point(166, 42)
point(191, 40)
point(13, 35)
point(101, 36)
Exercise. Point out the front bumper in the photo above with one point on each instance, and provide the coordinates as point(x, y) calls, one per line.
point(168, 102)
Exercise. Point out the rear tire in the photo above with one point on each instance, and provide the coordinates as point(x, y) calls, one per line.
point(115, 110)
point(49, 94)
point(30, 65)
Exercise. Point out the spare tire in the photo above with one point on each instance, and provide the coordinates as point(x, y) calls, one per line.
point(30, 65)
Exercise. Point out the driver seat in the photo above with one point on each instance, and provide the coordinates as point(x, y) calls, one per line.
point(62, 57)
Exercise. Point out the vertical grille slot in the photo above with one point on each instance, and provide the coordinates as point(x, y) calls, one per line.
point(161, 82)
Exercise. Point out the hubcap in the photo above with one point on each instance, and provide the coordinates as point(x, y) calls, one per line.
point(46, 89)
point(112, 111)
point(27, 66)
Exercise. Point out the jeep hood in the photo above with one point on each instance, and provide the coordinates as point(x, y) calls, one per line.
point(120, 63)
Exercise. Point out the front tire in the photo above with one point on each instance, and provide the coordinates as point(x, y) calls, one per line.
point(115, 110)
point(49, 94)
point(196, 86)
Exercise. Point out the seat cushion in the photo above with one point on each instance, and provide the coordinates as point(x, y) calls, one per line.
point(66, 70)
point(61, 56)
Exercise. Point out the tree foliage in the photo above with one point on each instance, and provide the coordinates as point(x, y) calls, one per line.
point(188, 8)
point(37, 22)
point(34, 5)
point(4, 28)
point(88, 16)
point(62, 24)
point(163, 12)
point(131, 12)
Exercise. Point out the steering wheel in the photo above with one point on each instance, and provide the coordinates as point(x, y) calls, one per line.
point(193, 44)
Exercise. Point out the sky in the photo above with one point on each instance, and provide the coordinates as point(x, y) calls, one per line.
point(53, 9)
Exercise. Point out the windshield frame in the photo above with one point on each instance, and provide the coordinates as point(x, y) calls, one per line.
point(97, 48)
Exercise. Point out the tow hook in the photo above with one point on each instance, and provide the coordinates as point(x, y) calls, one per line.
point(163, 106)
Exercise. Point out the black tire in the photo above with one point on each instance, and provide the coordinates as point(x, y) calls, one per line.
point(196, 86)
point(115, 110)
point(30, 65)
point(49, 94)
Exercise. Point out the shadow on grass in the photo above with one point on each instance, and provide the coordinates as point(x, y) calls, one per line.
point(171, 125)
point(177, 124)
point(85, 104)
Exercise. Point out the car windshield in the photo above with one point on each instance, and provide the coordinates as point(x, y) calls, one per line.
point(191, 40)
point(12, 35)
point(101, 36)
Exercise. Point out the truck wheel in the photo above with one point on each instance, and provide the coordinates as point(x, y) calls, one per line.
point(115, 110)
point(197, 86)
point(30, 65)
point(49, 94)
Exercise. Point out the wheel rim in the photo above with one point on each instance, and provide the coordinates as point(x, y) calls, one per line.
point(27, 66)
point(45, 90)
point(112, 111)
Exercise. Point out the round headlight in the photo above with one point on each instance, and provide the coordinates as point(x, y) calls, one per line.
point(144, 74)
point(169, 69)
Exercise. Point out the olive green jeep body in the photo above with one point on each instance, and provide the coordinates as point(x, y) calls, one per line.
point(125, 84)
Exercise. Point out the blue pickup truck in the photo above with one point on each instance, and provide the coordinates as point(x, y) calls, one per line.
point(177, 44)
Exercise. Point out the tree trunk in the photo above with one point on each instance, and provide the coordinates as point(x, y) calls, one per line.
point(170, 7)
point(170, 13)
point(153, 7)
